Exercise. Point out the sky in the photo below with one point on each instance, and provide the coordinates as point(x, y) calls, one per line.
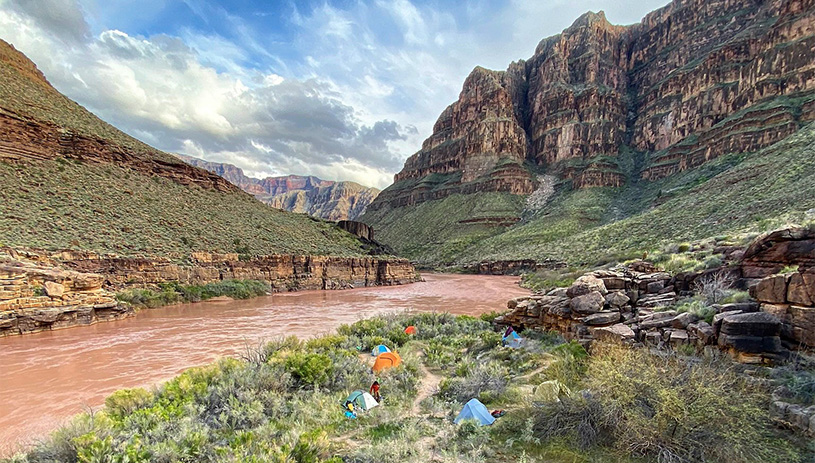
point(340, 89)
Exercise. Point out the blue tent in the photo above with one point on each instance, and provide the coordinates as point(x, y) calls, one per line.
point(513, 340)
point(475, 410)
point(380, 349)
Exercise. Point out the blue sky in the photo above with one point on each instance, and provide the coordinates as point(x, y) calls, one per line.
point(345, 90)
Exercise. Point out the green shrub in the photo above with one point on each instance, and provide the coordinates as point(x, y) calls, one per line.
point(173, 292)
point(737, 296)
point(309, 369)
point(713, 262)
point(699, 308)
point(670, 409)
point(126, 401)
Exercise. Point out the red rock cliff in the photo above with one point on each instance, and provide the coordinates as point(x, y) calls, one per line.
point(694, 80)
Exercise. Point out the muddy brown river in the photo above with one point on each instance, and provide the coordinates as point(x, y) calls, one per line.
point(46, 378)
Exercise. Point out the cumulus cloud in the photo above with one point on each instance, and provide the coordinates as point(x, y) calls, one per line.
point(348, 95)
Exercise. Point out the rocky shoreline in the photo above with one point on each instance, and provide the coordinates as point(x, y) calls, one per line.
point(44, 291)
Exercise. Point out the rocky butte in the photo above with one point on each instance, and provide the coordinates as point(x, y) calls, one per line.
point(602, 105)
point(306, 195)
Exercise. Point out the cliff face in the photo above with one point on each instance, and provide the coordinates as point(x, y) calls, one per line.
point(307, 195)
point(53, 290)
point(693, 81)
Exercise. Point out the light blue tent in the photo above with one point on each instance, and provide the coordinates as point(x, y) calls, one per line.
point(513, 340)
point(475, 410)
point(380, 349)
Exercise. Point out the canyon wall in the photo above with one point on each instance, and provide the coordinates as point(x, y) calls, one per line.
point(306, 195)
point(693, 81)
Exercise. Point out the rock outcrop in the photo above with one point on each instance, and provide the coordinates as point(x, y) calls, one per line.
point(282, 272)
point(791, 298)
point(630, 306)
point(306, 195)
point(38, 298)
point(42, 290)
point(692, 81)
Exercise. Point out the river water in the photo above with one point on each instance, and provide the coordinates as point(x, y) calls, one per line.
point(45, 378)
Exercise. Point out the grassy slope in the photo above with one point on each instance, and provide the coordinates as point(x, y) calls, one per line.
point(103, 208)
point(735, 193)
point(430, 232)
point(108, 209)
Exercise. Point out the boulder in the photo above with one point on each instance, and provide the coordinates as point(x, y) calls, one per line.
point(657, 320)
point(618, 332)
point(602, 318)
point(617, 299)
point(587, 303)
point(771, 289)
point(741, 306)
point(802, 321)
point(801, 289)
point(655, 286)
point(751, 333)
point(586, 284)
point(558, 292)
point(679, 337)
point(53, 290)
point(682, 320)
point(703, 331)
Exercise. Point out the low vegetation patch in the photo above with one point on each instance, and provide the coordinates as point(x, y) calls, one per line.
point(174, 293)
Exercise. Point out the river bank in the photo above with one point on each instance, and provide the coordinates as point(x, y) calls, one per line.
point(48, 376)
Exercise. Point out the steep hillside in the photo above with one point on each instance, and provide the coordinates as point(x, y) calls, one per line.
point(70, 181)
point(308, 195)
point(609, 115)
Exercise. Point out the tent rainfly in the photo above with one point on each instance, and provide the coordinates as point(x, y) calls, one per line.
point(362, 400)
point(385, 361)
point(475, 410)
point(380, 349)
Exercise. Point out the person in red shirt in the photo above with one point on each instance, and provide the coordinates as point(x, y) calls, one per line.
point(375, 391)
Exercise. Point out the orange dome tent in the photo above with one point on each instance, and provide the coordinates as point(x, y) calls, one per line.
point(410, 330)
point(386, 360)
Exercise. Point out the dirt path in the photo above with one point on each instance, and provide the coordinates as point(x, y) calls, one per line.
point(427, 387)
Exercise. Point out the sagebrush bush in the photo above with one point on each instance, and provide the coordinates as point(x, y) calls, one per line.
point(670, 409)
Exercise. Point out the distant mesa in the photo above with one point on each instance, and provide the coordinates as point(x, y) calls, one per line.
point(307, 195)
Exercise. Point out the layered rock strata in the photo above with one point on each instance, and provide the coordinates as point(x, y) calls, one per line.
point(38, 298)
point(630, 306)
point(282, 272)
point(310, 195)
point(692, 81)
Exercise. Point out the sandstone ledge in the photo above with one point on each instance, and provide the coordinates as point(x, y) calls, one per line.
point(42, 290)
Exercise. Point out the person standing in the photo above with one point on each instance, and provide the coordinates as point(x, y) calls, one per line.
point(375, 391)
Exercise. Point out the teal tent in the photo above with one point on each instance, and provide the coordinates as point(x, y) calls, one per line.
point(380, 349)
point(513, 340)
point(475, 410)
point(362, 400)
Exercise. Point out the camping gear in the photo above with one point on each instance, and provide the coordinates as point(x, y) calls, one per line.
point(475, 410)
point(350, 415)
point(361, 400)
point(498, 413)
point(386, 360)
point(380, 349)
point(512, 340)
point(410, 330)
